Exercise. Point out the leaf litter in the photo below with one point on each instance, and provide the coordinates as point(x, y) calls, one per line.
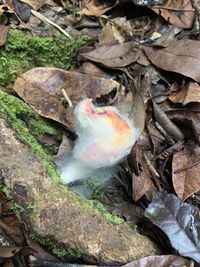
point(156, 84)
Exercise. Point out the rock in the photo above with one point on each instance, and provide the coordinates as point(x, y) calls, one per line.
point(52, 212)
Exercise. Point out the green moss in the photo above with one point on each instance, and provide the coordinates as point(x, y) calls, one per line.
point(24, 51)
point(57, 250)
point(90, 205)
point(96, 189)
point(13, 110)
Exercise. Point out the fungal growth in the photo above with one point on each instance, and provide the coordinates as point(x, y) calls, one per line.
point(104, 138)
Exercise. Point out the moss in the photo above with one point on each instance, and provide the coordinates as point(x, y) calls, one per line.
point(90, 205)
point(96, 189)
point(13, 109)
point(24, 51)
point(57, 250)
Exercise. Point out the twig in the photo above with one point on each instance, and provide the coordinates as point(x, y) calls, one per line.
point(197, 9)
point(67, 98)
point(169, 151)
point(46, 20)
point(173, 9)
point(154, 173)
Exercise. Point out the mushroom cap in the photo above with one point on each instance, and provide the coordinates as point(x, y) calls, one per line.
point(105, 135)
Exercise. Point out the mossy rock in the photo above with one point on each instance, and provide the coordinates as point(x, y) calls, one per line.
point(24, 51)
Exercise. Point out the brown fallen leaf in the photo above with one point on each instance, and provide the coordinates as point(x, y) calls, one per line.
point(35, 4)
point(141, 177)
point(161, 261)
point(179, 13)
point(95, 8)
point(117, 30)
point(186, 94)
point(113, 56)
point(182, 56)
point(9, 251)
point(4, 31)
point(42, 88)
point(185, 171)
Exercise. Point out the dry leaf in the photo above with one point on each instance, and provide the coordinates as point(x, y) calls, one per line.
point(8, 252)
point(95, 8)
point(185, 171)
point(35, 4)
point(114, 56)
point(4, 31)
point(141, 181)
point(184, 18)
point(182, 56)
point(186, 94)
point(42, 89)
point(110, 35)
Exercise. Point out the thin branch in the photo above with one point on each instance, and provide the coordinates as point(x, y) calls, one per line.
point(67, 98)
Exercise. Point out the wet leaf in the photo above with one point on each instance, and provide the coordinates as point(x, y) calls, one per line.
point(161, 261)
point(182, 56)
point(114, 56)
point(185, 171)
point(22, 10)
point(42, 89)
point(179, 13)
point(179, 221)
point(186, 94)
point(4, 31)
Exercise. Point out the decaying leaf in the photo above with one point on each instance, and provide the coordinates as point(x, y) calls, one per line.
point(182, 56)
point(186, 94)
point(115, 31)
point(137, 113)
point(179, 221)
point(22, 10)
point(113, 56)
point(4, 31)
point(141, 178)
point(42, 89)
point(179, 13)
point(161, 261)
point(8, 252)
point(110, 35)
point(185, 171)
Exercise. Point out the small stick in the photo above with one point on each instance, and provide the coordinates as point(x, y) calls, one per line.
point(153, 171)
point(67, 98)
point(46, 20)
point(173, 9)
